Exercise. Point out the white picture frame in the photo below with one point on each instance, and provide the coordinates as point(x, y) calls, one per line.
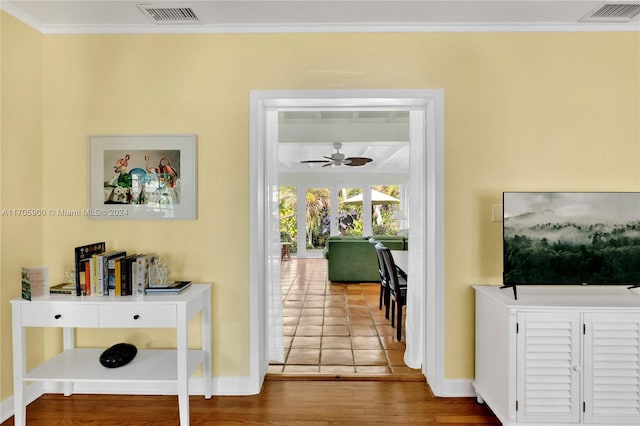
point(142, 177)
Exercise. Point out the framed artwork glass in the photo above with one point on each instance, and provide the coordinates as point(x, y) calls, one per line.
point(142, 176)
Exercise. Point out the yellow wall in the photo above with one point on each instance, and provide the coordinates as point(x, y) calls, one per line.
point(525, 111)
point(20, 177)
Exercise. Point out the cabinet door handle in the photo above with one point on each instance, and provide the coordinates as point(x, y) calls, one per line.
point(576, 368)
point(57, 316)
point(136, 316)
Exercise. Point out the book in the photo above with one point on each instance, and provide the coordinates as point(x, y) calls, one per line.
point(26, 284)
point(100, 274)
point(94, 274)
point(87, 276)
point(118, 277)
point(141, 275)
point(169, 288)
point(64, 288)
point(81, 254)
point(102, 267)
point(109, 270)
point(126, 285)
point(96, 281)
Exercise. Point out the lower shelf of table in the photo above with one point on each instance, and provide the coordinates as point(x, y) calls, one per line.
point(76, 365)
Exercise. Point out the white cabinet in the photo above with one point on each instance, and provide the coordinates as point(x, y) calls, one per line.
point(548, 367)
point(611, 367)
point(82, 365)
point(559, 355)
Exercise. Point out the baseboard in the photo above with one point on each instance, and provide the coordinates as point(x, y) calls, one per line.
point(458, 388)
point(32, 392)
point(221, 386)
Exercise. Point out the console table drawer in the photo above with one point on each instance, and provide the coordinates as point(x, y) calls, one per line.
point(137, 315)
point(59, 315)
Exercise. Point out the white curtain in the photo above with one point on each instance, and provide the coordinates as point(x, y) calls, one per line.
point(274, 313)
point(413, 328)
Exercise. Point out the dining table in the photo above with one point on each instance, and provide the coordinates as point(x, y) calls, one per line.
point(401, 259)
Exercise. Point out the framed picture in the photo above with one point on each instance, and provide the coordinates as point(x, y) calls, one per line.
point(142, 177)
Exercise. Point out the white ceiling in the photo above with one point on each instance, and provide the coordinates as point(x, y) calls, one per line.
point(117, 16)
point(382, 136)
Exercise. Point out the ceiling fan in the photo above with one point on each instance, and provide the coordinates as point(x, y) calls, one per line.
point(338, 159)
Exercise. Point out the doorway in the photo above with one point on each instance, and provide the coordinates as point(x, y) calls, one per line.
point(336, 329)
point(425, 348)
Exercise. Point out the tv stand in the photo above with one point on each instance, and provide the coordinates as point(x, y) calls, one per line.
point(559, 355)
point(82, 365)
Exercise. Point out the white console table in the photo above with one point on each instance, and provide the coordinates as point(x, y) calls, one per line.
point(82, 365)
point(559, 355)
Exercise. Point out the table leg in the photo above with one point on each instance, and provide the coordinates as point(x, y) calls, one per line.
point(19, 368)
point(206, 344)
point(68, 342)
point(183, 377)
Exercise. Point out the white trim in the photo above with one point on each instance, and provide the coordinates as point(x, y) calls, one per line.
point(458, 388)
point(22, 17)
point(431, 103)
point(258, 361)
point(434, 294)
point(327, 27)
point(32, 392)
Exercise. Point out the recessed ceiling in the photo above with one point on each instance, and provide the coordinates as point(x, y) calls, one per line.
point(309, 135)
point(121, 16)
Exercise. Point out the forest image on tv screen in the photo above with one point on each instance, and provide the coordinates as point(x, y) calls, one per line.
point(571, 238)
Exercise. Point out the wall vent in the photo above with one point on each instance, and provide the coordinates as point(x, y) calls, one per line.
point(169, 15)
point(613, 12)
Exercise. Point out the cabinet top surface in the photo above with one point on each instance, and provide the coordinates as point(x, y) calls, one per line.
point(565, 296)
point(193, 292)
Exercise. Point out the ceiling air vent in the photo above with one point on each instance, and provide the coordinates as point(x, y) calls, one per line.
point(613, 12)
point(170, 15)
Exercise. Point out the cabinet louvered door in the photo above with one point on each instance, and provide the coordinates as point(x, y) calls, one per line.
point(548, 370)
point(612, 368)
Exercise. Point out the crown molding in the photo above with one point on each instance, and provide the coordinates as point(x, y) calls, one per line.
point(342, 28)
point(370, 27)
point(21, 16)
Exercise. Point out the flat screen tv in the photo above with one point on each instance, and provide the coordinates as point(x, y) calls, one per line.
point(571, 238)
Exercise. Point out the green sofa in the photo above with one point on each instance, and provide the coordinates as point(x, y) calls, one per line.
point(354, 259)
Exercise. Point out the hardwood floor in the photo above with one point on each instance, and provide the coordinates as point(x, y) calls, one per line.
point(280, 402)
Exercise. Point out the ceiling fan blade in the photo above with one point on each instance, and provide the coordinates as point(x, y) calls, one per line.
point(315, 161)
point(330, 163)
point(357, 161)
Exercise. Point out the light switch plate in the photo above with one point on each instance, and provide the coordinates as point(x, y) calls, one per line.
point(496, 212)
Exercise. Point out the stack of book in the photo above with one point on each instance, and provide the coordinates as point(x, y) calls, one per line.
point(172, 287)
point(103, 273)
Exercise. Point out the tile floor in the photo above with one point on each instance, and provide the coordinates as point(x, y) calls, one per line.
point(334, 328)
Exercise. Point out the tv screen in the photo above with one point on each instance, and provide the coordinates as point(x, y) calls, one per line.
point(571, 238)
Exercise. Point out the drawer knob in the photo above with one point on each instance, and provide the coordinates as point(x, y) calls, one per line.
point(57, 316)
point(136, 316)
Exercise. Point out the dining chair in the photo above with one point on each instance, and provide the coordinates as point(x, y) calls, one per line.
point(384, 280)
point(397, 291)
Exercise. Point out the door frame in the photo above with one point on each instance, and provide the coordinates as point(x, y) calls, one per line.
point(426, 199)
